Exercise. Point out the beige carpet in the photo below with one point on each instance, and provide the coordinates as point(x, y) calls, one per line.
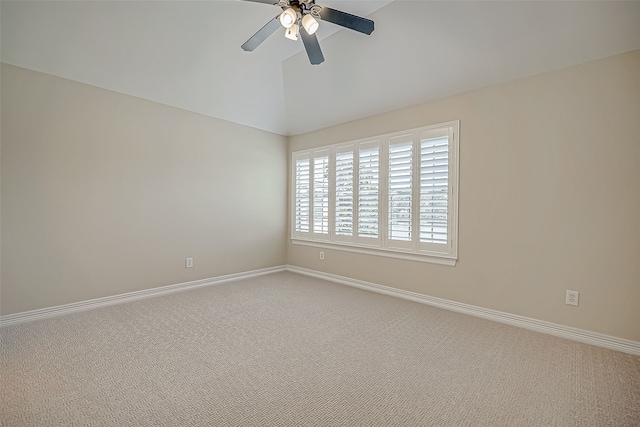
point(288, 350)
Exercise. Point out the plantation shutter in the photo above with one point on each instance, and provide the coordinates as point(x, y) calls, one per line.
point(368, 190)
point(400, 192)
point(302, 195)
point(344, 197)
point(434, 189)
point(394, 195)
point(321, 193)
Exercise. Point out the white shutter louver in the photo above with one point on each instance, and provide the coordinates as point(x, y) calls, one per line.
point(368, 180)
point(400, 190)
point(434, 189)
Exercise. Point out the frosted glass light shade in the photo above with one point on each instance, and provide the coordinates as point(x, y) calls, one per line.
point(310, 24)
point(288, 18)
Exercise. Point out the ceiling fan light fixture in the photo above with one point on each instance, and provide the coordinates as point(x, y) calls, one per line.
point(292, 32)
point(288, 18)
point(310, 24)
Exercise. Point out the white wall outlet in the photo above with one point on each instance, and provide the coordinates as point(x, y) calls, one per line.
point(321, 255)
point(188, 263)
point(572, 297)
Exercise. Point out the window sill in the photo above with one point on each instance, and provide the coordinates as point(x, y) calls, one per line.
point(430, 257)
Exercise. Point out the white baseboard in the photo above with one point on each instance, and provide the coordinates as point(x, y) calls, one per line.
point(580, 335)
point(45, 313)
point(587, 337)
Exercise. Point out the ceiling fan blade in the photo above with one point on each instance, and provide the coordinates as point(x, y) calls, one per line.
point(347, 20)
point(262, 34)
point(312, 47)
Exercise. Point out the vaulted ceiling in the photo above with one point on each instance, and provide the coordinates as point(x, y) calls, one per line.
point(187, 54)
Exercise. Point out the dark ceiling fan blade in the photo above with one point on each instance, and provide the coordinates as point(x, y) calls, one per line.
point(312, 46)
point(347, 20)
point(262, 34)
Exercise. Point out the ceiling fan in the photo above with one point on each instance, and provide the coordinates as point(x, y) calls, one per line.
point(300, 17)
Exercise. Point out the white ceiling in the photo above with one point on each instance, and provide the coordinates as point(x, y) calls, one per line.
point(188, 55)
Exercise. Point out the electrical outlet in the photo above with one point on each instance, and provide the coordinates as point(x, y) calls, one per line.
point(572, 297)
point(188, 263)
point(321, 255)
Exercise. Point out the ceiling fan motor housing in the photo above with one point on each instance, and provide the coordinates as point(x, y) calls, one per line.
point(301, 6)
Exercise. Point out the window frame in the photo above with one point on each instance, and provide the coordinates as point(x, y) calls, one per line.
point(439, 253)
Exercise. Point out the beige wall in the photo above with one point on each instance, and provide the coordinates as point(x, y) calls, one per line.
point(104, 193)
point(549, 198)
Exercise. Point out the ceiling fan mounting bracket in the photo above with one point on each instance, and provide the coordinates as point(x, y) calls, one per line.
point(315, 11)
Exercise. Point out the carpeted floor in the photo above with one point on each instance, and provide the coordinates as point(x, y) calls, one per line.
point(289, 350)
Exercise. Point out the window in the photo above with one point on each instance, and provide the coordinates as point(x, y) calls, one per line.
point(393, 195)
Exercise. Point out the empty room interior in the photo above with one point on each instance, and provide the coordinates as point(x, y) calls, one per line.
point(320, 213)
